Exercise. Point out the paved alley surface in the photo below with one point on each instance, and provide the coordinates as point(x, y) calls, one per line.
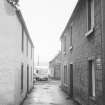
point(48, 93)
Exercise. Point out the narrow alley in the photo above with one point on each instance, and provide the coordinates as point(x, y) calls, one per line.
point(48, 93)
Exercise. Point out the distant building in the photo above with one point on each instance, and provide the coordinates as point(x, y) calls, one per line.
point(83, 53)
point(16, 56)
point(55, 67)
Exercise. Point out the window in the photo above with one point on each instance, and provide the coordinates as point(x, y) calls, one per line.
point(65, 74)
point(70, 48)
point(71, 37)
point(22, 47)
point(22, 77)
point(64, 44)
point(27, 46)
point(31, 52)
point(90, 14)
point(91, 78)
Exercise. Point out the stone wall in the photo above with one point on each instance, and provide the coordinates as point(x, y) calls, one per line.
point(84, 49)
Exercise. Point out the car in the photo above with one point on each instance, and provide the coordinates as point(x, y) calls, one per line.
point(42, 77)
point(42, 73)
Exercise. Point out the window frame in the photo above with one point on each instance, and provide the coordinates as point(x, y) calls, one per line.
point(27, 46)
point(91, 14)
point(71, 35)
point(22, 43)
point(64, 44)
point(31, 51)
point(90, 18)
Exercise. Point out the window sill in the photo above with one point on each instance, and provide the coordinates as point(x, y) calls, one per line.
point(70, 48)
point(89, 32)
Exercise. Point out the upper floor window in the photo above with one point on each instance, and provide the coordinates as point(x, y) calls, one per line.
point(22, 45)
point(71, 32)
point(31, 52)
point(27, 46)
point(64, 44)
point(90, 14)
point(71, 37)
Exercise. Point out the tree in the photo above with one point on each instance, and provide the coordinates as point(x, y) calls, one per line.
point(13, 2)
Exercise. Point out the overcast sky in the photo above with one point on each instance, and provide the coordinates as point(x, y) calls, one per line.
point(46, 19)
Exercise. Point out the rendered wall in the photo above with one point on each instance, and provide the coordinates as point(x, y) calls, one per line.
point(11, 57)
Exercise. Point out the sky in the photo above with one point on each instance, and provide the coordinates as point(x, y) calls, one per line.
point(46, 20)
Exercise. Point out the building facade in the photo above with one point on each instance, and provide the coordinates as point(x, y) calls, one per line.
point(83, 53)
point(55, 67)
point(16, 56)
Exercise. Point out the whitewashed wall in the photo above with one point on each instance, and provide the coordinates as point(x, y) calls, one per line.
point(11, 57)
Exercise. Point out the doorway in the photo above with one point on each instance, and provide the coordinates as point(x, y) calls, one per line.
point(27, 78)
point(71, 80)
point(92, 78)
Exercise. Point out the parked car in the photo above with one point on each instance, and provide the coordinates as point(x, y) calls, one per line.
point(42, 73)
point(40, 76)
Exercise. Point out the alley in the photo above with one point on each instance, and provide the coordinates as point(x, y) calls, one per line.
point(47, 93)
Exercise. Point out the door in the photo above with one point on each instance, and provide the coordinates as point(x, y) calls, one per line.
point(27, 78)
point(91, 78)
point(71, 80)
